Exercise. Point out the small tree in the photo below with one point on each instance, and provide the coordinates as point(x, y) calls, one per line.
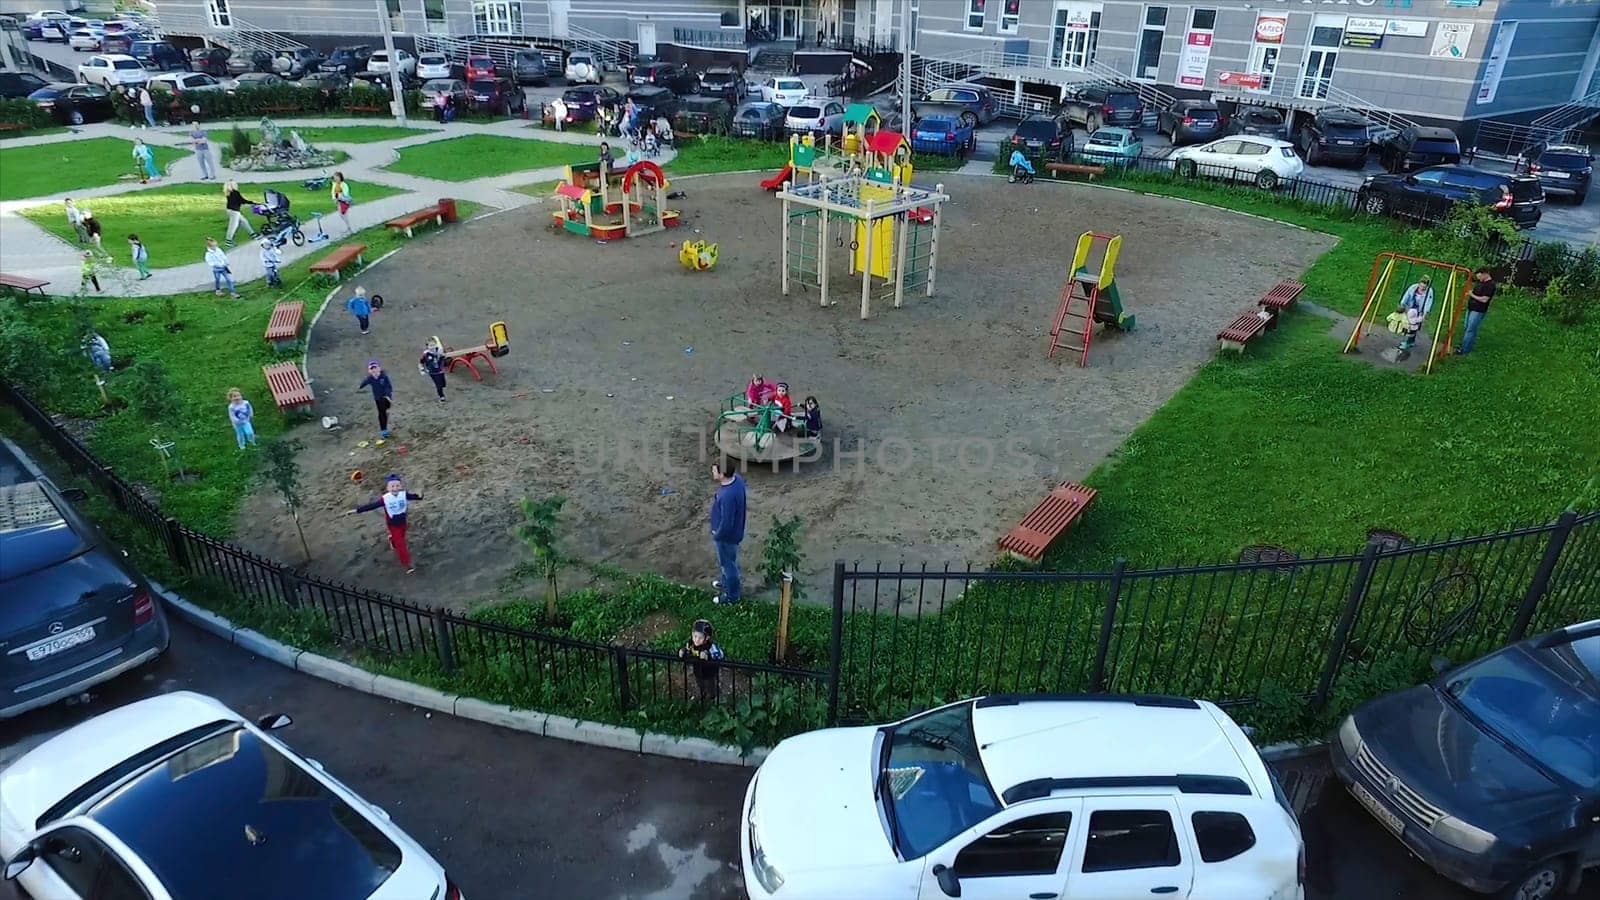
point(151, 392)
point(780, 560)
point(240, 142)
point(540, 529)
point(284, 476)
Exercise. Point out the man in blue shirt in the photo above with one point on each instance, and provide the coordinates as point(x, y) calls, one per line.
point(727, 529)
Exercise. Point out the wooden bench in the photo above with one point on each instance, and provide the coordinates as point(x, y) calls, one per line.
point(1076, 169)
point(1282, 295)
point(1245, 328)
point(366, 109)
point(407, 222)
point(283, 329)
point(288, 386)
point(334, 262)
point(22, 283)
point(1053, 516)
point(13, 126)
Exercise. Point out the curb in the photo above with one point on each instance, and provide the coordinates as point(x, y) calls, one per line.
point(595, 734)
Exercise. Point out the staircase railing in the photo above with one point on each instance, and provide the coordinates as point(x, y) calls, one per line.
point(1509, 140)
point(1572, 115)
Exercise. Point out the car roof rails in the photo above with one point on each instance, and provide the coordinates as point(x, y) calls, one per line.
point(1161, 701)
point(1567, 635)
point(1037, 788)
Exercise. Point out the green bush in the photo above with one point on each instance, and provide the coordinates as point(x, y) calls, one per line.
point(25, 113)
point(285, 100)
point(1472, 236)
point(240, 141)
point(1563, 301)
point(1550, 259)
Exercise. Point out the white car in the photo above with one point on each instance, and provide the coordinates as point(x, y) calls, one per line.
point(86, 38)
point(1099, 797)
point(112, 69)
point(783, 91)
point(582, 68)
point(403, 61)
point(178, 796)
point(815, 116)
point(178, 82)
point(1241, 157)
point(432, 65)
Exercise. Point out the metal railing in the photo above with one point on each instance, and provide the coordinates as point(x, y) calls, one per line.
point(1572, 115)
point(1510, 140)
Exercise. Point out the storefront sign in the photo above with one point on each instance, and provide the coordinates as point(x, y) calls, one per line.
point(1463, 2)
point(1451, 40)
point(1195, 59)
point(1364, 33)
point(1270, 28)
point(1497, 62)
point(1407, 28)
point(1247, 80)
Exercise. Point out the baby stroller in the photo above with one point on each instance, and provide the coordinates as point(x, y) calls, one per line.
point(281, 225)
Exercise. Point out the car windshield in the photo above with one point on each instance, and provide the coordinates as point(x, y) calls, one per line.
point(1122, 101)
point(931, 780)
point(791, 85)
point(936, 124)
point(580, 59)
point(578, 96)
point(127, 64)
point(481, 62)
point(1106, 140)
point(1545, 702)
point(1037, 129)
point(430, 60)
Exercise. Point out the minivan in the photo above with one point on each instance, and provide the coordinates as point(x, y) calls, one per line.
point(1416, 146)
point(1427, 195)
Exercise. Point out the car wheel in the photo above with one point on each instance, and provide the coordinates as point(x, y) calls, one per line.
point(969, 119)
point(1266, 179)
point(1188, 168)
point(1375, 204)
point(1578, 198)
point(1542, 882)
point(75, 117)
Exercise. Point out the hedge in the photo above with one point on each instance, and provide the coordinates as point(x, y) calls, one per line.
point(286, 100)
point(22, 113)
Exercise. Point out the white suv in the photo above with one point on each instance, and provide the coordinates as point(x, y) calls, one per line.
point(1102, 796)
point(111, 70)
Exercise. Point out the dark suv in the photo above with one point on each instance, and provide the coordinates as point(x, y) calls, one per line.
point(528, 67)
point(654, 102)
point(724, 82)
point(1260, 121)
point(1043, 137)
point(1093, 107)
point(497, 96)
point(347, 60)
point(1415, 146)
point(1491, 772)
point(1564, 169)
point(667, 75)
point(74, 614)
point(159, 56)
point(1428, 195)
point(1334, 135)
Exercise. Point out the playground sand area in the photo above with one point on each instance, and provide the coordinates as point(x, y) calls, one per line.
point(944, 420)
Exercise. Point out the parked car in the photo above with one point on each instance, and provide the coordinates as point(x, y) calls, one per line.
point(1190, 122)
point(15, 85)
point(1334, 135)
point(528, 67)
point(1242, 157)
point(480, 68)
point(404, 63)
point(1416, 146)
point(74, 104)
point(585, 101)
point(347, 60)
point(75, 614)
point(1043, 137)
point(1490, 773)
point(1261, 121)
point(324, 81)
point(1564, 169)
point(112, 70)
point(179, 82)
point(498, 96)
point(943, 135)
point(252, 80)
point(816, 116)
point(117, 43)
point(47, 25)
point(654, 102)
point(210, 60)
point(297, 62)
point(784, 91)
point(235, 805)
point(86, 39)
point(759, 120)
point(671, 76)
point(703, 115)
point(1112, 146)
point(242, 61)
point(1429, 194)
point(1023, 796)
point(377, 81)
point(1096, 106)
point(433, 65)
point(723, 81)
point(582, 68)
point(978, 105)
point(454, 88)
point(159, 56)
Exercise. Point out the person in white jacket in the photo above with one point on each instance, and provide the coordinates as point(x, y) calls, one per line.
point(217, 259)
point(1416, 303)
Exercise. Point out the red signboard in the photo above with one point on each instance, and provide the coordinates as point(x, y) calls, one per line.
point(1239, 80)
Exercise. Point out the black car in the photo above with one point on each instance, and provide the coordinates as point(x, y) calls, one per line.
point(1048, 137)
point(1428, 195)
point(1416, 146)
point(1334, 135)
point(667, 75)
point(15, 85)
point(654, 102)
point(724, 82)
point(297, 62)
point(760, 120)
point(703, 115)
point(210, 60)
point(74, 104)
point(1190, 122)
point(74, 614)
point(159, 56)
point(497, 96)
point(1564, 169)
point(378, 81)
point(1261, 121)
point(1491, 772)
point(585, 100)
point(347, 60)
point(528, 67)
point(1095, 106)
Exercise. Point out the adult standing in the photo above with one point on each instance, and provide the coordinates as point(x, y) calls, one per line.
point(341, 198)
point(1478, 299)
point(236, 202)
point(727, 529)
point(149, 104)
point(1416, 303)
point(382, 394)
point(558, 113)
point(201, 142)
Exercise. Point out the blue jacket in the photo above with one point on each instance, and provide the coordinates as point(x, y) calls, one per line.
point(727, 512)
point(382, 387)
point(359, 305)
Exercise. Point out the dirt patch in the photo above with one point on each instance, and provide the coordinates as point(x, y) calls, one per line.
point(945, 420)
point(648, 630)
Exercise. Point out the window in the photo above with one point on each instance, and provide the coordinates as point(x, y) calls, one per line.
point(1321, 55)
point(1222, 835)
point(1151, 34)
point(1075, 35)
point(1203, 20)
point(1030, 846)
point(433, 15)
point(497, 16)
point(975, 15)
point(217, 12)
point(1227, 148)
point(1010, 16)
point(1130, 839)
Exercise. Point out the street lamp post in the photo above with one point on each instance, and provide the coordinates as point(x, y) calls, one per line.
point(905, 66)
point(395, 91)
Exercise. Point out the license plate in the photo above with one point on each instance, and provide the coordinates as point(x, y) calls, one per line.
point(61, 642)
point(1345, 143)
point(1389, 819)
point(1558, 174)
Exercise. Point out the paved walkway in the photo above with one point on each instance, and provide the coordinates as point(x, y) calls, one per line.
point(31, 250)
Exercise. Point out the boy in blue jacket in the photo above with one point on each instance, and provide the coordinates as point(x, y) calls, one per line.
point(360, 307)
point(393, 501)
point(382, 394)
point(727, 529)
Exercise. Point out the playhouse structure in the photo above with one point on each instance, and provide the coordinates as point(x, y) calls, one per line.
point(615, 203)
point(1088, 296)
point(845, 155)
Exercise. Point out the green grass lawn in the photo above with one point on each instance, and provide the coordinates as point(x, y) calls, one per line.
point(700, 155)
point(44, 169)
point(541, 189)
point(487, 155)
point(174, 221)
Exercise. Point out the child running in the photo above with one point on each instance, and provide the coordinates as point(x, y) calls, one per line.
point(242, 415)
point(393, 501)
point(433, 364)
point(341, 196)
point(360, 307)
point(382, 394)
point(141, 256)
point(90, 272)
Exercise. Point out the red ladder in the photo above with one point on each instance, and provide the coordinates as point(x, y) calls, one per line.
point(1078, 288)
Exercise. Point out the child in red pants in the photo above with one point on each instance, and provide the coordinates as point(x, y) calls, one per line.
point(393, 502)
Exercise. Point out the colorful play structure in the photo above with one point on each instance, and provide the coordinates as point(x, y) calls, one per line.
point(892, 228)
point(1090, 297)
point(498, 344)
point(751, 434)
point(698, 256)
point(1448, 305)
point(615, 203)
point(845, 155)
